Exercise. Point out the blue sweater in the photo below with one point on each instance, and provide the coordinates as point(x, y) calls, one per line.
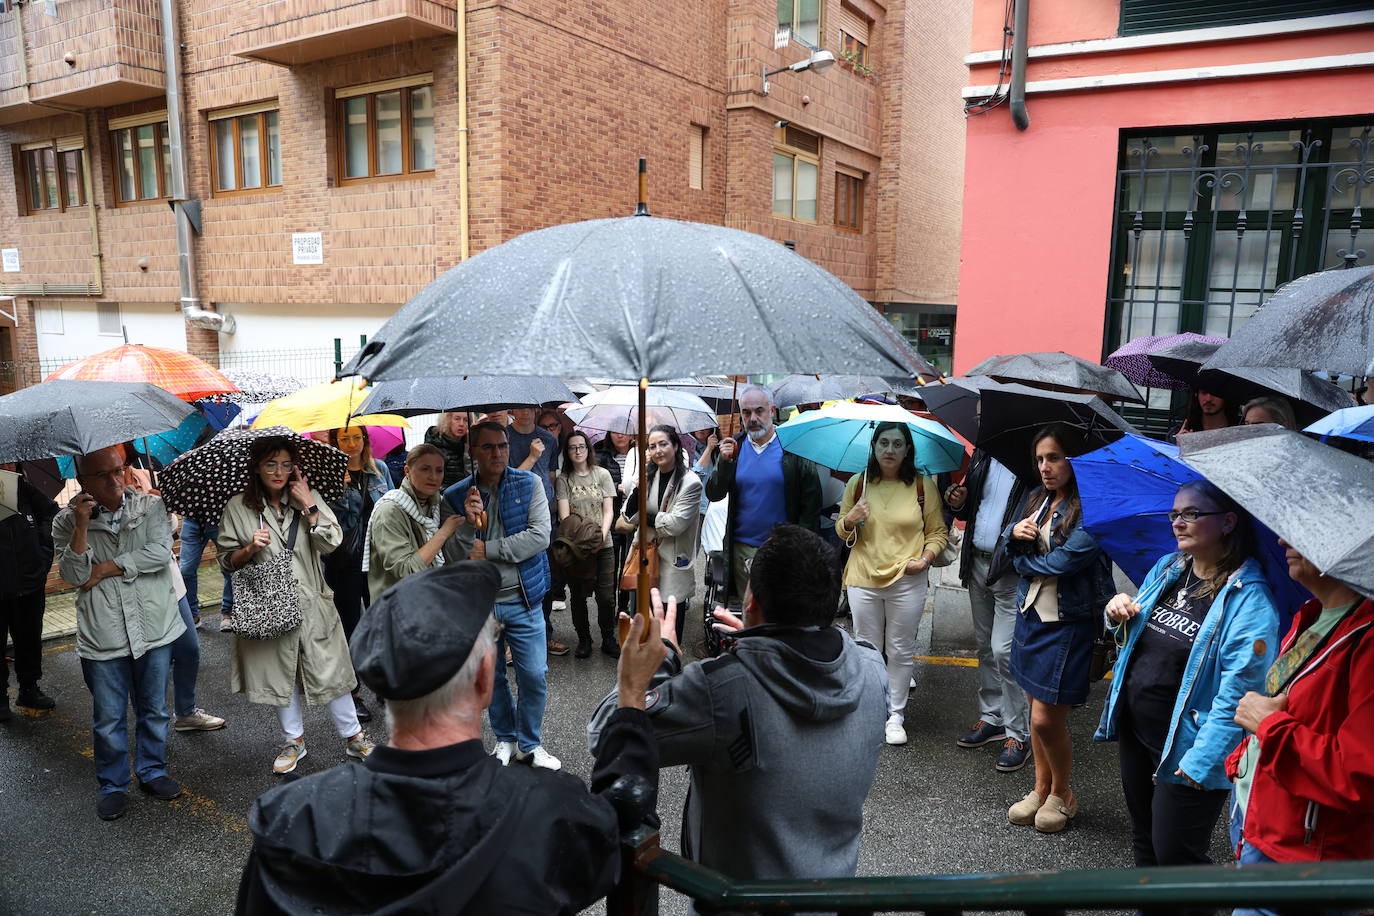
point(1234, 648)
point(759, 490)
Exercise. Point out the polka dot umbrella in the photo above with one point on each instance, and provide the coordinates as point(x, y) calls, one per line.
point(201, 482)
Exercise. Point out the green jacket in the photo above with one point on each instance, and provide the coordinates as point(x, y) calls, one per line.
point(394, 542)
point(130, 614)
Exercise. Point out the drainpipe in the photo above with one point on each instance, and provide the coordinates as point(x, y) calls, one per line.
point(88, 188)
point(191, 309)
point(1019, 49)
point(462, 12)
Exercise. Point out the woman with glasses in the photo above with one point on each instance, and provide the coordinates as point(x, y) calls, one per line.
point(278, 511)
point(1198, 636)
point(585, 489)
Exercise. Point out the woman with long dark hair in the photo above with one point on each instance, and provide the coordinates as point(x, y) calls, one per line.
point(584, 488)
point(674, 503)
point(1066, 580)
point(891, 518)
point(278, 512)
point(1201, 632)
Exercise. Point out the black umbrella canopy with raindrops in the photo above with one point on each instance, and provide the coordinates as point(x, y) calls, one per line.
point(70, 417)
point(201, 482)
point(1059, 371)
point(412, 397)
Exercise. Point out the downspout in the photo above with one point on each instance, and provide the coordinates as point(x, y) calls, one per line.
point(463, 242)
point(88, 188)
point(1019, 49)
point(191, 309)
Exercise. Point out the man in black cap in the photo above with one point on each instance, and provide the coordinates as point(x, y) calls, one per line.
point(431, 823)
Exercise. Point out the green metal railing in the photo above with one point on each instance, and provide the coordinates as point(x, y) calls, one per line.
point(1291, 888)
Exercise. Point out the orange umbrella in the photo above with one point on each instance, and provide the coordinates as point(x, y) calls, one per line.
point(177, 371)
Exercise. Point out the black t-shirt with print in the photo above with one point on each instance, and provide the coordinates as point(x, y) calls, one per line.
point(1160, 656)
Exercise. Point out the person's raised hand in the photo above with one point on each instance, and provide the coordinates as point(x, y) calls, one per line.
point(1254, 708)
point(728, 447)
point(857, 515)
point(261, 538)
point(666, 615)
point(536, 447)
point(641, 654)
point(300, 490)
point(726, 622)
point(472, 509)
point(451, 524)
point(82, 506)
point(955, 496)
point(1122, 608)
point(1026, 530)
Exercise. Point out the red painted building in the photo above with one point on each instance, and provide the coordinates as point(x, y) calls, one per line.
point(1182, 160)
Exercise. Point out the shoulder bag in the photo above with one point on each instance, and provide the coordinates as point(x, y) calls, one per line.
point(954, 544)
point(629, 573)
point(267, 600)
point(349, 554)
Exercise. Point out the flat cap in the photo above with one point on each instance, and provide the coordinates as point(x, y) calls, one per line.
point(418, 633)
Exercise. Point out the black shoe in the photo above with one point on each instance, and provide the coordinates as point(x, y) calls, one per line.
point(33, 698)
point(359, 707)
point(5, 712)
point(584, 647)
point(610, 647)
point(980, 734)
point(111, 807)
point(164, 788)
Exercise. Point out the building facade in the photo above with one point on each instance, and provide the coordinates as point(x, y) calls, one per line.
point(1182, 160)
point(340, 155)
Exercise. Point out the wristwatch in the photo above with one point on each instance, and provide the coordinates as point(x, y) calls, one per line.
point(311, 510)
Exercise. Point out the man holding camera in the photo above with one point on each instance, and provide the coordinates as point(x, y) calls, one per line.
point(114, 545)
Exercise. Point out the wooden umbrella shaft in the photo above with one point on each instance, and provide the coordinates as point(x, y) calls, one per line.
point(642, 576)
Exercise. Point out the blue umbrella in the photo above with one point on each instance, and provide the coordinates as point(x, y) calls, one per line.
point(1127, 489)
point(1346, 423)
point(838, 437)
point(219, 414)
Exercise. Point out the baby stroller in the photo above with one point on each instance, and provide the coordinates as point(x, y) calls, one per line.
point(717, 588)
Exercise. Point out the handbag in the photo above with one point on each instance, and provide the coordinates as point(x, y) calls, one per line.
point(267, 601)
point(629, 573)
point(349, 554)
point(1104, 656)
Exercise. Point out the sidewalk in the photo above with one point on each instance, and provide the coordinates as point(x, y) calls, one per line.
point(59, 619)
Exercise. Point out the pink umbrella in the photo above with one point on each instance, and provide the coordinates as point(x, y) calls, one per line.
point(384, 439)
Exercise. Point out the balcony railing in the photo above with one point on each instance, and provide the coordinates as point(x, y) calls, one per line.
point(291, 32)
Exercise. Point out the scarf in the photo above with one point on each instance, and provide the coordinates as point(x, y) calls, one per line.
point(427, 518)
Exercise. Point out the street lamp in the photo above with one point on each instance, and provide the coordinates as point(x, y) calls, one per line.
point(818, 61)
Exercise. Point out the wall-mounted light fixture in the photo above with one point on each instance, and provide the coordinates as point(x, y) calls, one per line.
point(818, 62)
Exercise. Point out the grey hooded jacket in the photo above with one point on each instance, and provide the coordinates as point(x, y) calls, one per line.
point(782, 736)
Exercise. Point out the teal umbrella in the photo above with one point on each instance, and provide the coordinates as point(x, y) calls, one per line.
point(839, 436)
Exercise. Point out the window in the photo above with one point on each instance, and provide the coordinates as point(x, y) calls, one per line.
point(386, 128)
point(142, 157)
point(108, 320)
point(696, 158)
point(849, 201)
point(245, 149)
point(1139, 17)
point(854, 29)
point(853, 50)
point(53, 174)
point(49, 317)
point(803, 17)
point(796, 171)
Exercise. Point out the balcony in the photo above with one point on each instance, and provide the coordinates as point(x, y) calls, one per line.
point(291, 32)
point(115, 49)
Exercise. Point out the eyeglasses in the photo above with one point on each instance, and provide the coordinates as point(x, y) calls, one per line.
point(111, 474)
point(577, 448)
point(271, 466)
point(1191, 515)
point(552, 427)
point(495, 446)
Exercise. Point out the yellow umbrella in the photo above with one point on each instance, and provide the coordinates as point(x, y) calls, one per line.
point(328, 405)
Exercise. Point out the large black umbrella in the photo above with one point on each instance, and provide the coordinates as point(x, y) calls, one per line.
point(64, 417)
point(1323, 321)
point(1181, 359)
point(955, 403)
point(201, 482)
point(639, 298)
point(1059, 371)
point(411, 397)
point(1315, 497)
point(1311, 397)
point(1013, 414)
point(817, 389)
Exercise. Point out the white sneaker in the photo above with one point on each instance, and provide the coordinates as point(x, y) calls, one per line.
point(505, 750)
point(893, 732)
point(541, 758)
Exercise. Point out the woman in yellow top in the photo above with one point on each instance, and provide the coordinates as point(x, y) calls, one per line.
point(891, 518)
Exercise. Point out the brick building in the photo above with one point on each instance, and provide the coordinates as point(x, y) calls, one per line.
point(324, 147)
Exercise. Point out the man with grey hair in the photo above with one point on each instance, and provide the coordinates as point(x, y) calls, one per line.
point(430, 822)
point(767, 486)
point(114, 545)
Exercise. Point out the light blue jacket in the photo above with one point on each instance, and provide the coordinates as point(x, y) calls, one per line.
point(1233, 650)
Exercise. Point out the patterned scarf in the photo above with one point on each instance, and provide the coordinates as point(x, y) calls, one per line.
point(1287, 665)
point(427, 518)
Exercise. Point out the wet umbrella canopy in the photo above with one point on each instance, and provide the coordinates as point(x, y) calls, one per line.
point(812, 389)
point(1323, 321)
point(409, 398)
point(201, 482)
point(1135, 360)
point(1013, 414)
point(1315, 497)
point(1062, 371)
point(1312, 398)
point(76, 418)
point(840, 437)
point(617, 410)
point(955, 403)
point(1181, 359)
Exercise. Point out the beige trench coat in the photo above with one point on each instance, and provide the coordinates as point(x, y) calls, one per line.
point(266, 669)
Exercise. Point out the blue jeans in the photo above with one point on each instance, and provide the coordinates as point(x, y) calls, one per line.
point(1249, 855)
point(520, 721)
point(194, 536)
point(185, 662)
point(113, 684)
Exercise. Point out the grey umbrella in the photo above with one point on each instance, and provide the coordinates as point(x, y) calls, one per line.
point(65, 417)
point(1315, 497)
point(1060, 372)
point(1323, 321)
point(1311, 397)
point(1182, 359)
point(816, 389)
point(1012, 414)
point(411, 397)
point(639, 298)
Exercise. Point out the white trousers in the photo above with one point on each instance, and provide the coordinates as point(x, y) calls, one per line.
point(341, 710)
point(890, 618)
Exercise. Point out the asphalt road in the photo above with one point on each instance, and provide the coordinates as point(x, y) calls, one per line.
point(934, 809)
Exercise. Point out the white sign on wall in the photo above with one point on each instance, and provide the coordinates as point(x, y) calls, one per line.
point(9, 257)
point(307, 248)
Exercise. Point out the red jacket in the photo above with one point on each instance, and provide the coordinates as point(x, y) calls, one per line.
point(1313, 792)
